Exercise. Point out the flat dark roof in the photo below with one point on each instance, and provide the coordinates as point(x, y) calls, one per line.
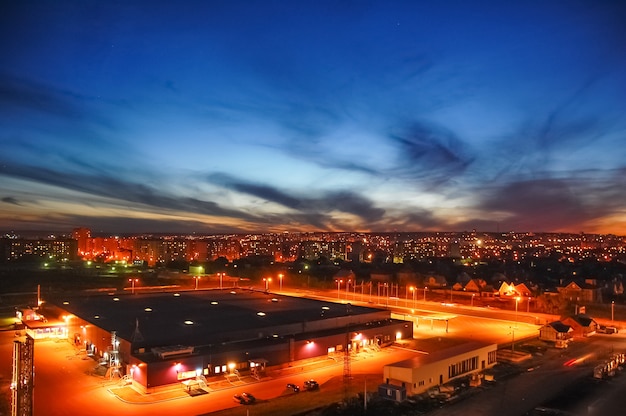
point(200, 317)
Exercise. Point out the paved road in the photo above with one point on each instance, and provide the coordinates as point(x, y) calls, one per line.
point(549, 379)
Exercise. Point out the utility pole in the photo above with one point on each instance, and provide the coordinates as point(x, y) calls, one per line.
point(347, 371)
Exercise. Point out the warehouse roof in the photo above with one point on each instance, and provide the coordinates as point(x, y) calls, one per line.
point(201, 317)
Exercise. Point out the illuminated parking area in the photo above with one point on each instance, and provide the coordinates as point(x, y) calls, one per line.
point(438, 324)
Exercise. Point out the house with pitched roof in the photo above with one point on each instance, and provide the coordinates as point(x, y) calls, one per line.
point(557, 332)
point(435, 281)
point(581, 291)
point(512, 290)
point(475, 285)
point(582, 325)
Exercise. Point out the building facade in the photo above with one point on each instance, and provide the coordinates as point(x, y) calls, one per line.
point(421, 373)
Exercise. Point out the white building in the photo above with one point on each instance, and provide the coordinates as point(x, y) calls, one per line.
point(422, 372)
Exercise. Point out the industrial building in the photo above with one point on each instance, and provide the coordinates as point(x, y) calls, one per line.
point(418, 374)
point(157, 339)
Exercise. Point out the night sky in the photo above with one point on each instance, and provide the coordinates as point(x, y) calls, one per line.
point(259, 116)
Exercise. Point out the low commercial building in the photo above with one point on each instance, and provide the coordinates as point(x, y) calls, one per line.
point(423, 372)
point(157, 339)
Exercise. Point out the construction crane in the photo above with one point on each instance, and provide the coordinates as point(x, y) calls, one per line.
point(23, 381)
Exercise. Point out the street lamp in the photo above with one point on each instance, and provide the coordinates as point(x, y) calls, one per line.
point(280, 281)
point(516, 302)
point(132, 282)
point(473, 294)
point(612, 310)
point(425, 289)
point(348, 287)
point(267, 283)
point(339, 282)
point(512, 338)
point(196, 278)
point(221, 276)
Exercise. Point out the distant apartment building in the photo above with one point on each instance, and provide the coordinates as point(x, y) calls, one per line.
point(60, 249)
point(355, 251)
point(259, 246)
point(414, 250)
point(226, 247)
point(83, 239)
point(312, 250)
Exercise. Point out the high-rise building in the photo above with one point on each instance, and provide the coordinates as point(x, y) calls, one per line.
point(83, 237)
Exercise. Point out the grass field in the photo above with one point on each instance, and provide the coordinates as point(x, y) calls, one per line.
point(333, 391)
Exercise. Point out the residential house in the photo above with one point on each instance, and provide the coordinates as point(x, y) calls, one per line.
point(583, 291)
point(435, 281)
point(557, 332)
point(513, 290)
point(582, 325)
point(475, 285)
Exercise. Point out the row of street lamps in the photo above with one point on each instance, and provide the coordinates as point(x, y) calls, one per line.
point(197, 280)
point(412, 289)
point(219, 275)
point(268, 280)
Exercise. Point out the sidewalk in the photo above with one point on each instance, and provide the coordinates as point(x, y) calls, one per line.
point(129, 394)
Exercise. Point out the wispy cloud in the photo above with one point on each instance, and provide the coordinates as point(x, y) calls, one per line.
point(104, 185)
point(18, 94)
point(10, 200)
point(430, 153)
point(344, 201)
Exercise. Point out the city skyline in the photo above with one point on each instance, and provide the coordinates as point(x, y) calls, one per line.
point(245, 116)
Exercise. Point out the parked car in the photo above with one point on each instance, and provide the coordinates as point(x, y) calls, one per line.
point(311, 385)
point(606, 329)
point(248, 397)
point(244, 398)
point(293, 387)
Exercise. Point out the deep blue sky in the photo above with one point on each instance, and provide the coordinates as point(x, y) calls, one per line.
point(220, 116)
